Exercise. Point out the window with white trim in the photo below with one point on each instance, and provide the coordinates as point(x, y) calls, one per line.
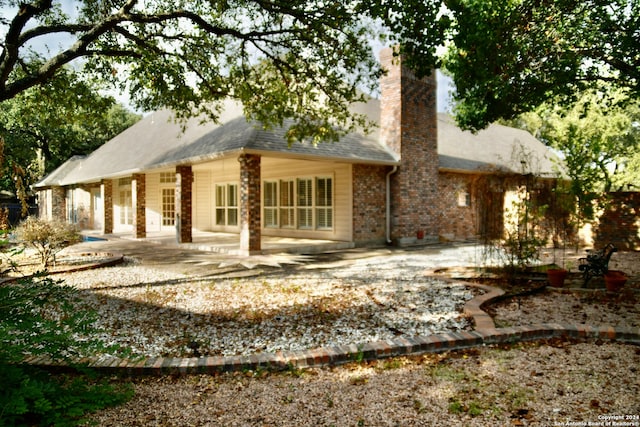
point(125, 201)
point(464, 199)
point(304, 197)
point(126, 206)
point(271, 204)
point(226, 209)
point(324, 203)
point(303, 203)
point(287, 204)
point(167, 177)
point(168, 198)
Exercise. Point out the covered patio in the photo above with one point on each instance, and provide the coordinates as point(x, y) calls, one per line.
point(228, 243)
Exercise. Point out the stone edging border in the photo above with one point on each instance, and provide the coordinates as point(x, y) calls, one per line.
point(485, 333)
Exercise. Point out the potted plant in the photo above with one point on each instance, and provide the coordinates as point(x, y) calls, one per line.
point(556, 276)
point(614, 280)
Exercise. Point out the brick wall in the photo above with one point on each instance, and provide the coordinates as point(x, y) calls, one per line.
point(457, 222)
point(184, 195)
point(619, 222)
point(250, 219)
point(369, 204)
point(409, 127)
point(107, 197)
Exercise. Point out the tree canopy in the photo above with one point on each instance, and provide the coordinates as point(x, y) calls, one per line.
point(510, 56)
point(599, 143)
point(309, 59)
point(304, 59)
point(42, 127)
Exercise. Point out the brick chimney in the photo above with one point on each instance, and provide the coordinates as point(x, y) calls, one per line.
point(408, 121)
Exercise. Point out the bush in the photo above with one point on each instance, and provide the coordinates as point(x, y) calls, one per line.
point(42, 317)
point(47, 237)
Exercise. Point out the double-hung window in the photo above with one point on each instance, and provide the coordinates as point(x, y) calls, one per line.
point(305, 203)
point(324, 203)
point(287, 204)
point(270, 204)
point(226, 204)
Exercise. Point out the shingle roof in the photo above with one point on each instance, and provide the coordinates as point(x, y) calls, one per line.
point(157, 141)
point(57, 177)
point(495, 149)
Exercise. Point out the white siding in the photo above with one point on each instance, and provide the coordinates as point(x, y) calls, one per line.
point(152, 203)
point(206, 176)
point(97, 209)
point(202, 203)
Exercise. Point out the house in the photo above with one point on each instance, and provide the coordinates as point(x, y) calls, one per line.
point(413, 179)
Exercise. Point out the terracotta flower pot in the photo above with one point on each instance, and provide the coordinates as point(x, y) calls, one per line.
point(614, 280)
point(556, 277)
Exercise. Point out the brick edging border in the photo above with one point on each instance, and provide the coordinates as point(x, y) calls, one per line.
point(485, 333)
point(111, 259)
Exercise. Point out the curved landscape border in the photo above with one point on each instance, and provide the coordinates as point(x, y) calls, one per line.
point(110, 259)
point(484, 333)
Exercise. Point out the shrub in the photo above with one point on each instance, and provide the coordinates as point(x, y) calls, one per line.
point(46, 237)
point(42, 317)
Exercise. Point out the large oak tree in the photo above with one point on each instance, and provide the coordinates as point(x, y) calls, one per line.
point(305, 60)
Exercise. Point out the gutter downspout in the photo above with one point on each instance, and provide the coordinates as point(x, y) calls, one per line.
point(388, 202)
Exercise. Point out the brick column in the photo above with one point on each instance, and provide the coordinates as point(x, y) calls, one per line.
point(58, 204)
point(138, 196)
point(106, 188)
point(250, 222)
point(409, 128)
point(184, 181)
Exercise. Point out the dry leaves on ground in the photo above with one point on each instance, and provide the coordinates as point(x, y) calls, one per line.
point(534, 384)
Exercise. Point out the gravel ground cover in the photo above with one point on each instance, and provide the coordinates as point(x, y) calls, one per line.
point(592, 307)
point(162, 313)
point(546, 383)
point(552, 383)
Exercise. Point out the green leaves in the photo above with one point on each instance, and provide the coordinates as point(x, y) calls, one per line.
point(43, 317)
point(599, 138)
point(42, 127)
point(509, 57)
point(188, 56)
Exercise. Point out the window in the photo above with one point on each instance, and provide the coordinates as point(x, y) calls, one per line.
point(270, 204)
point(464, 198)
point(168, 198)
point(303, 203)
point(167, 177)
point(287, 205)
point(168, 206)
point(226, 204)
point(324, 203)
point(96, 200)
point(232, 204)
point(126, 207)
